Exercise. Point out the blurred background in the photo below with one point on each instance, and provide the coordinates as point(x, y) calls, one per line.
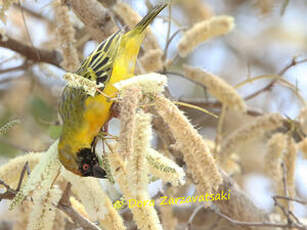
point(268, 35)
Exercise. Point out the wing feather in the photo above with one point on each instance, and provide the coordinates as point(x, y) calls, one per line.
point(98, 65)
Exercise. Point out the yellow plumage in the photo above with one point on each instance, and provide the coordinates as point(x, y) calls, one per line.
point(83, 115)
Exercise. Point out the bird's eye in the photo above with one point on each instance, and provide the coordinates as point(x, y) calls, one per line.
point(85, 167)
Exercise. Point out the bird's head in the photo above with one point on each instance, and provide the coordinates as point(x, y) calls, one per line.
point(83, 162)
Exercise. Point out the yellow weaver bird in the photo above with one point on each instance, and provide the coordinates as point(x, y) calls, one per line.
point(84, 115)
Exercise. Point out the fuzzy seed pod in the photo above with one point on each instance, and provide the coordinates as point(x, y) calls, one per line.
point(89, 191)
point(137, 166)
point(78, 206)
point(42, 176)
point(303, 119)
point(249, 131)
point(197, 10)
point(3, 36)
point(152, 60)
point(265, 6)
point(16, 165)
point(203, 31)
point(303, 147)
point(97, 19)
point(168, 219)
point(7, 126)
point(44, 210)
point(112, 221)
point(164, 168)
point(5, 5)
point(21, 215)
point(196, 153)
point(290, 162)
point(119, 172)
point(66, 37)
point(232, 165)
point(96, 202)
point(128, 105)
point(145, 217)
point(150, 84)
point(77, 81)
point(274, 155)
point(217, 87)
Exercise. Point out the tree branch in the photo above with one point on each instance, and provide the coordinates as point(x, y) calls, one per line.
point(239, 207)
point(259, 224)
point(294, 62)
point(65, 205)
point(31, 53)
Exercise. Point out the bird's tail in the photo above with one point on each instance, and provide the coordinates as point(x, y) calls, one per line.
point(148, 18)
point(124, 62)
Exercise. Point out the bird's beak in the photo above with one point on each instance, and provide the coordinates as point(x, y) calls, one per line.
point(98, 172)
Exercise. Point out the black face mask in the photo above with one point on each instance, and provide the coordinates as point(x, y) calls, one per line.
point(89, 165)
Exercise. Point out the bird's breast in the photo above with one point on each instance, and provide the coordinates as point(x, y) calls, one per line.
point(97, 113)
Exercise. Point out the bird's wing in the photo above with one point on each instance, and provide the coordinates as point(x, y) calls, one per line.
point(98, 65)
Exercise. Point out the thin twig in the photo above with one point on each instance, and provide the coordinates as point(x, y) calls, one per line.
point(168, 31)
point(23, 171)
point(65, 205)
point(194, 213)
point(179, 75)
point(281, 81)
point(284, 211)
point(10, 193)
point(34, 14)
point(259, 224)
point(8, 59)
point(202, 102)
point(294, 62)
point(170, 39)
point(16, 68)
point(287, 213)
point(5, 185)
point(27, 29)
point(290, 199)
